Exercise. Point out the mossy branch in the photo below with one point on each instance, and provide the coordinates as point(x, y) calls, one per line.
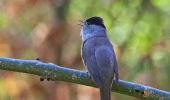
point(57, 73)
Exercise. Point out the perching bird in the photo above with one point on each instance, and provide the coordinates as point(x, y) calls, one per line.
point(98, 55)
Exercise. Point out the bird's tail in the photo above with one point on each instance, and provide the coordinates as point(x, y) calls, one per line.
point(105, 93)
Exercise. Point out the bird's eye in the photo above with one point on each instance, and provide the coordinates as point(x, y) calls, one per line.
point(86, 23)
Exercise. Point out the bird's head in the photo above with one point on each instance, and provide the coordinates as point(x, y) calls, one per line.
point(93, 26)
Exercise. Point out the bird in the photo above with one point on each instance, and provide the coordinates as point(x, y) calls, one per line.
point(98, 55)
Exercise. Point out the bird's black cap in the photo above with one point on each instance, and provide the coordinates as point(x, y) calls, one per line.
point(96, 21)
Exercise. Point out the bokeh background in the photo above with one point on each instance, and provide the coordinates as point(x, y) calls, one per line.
point(138, 29)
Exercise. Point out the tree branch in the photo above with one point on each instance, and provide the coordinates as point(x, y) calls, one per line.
point(57, 73)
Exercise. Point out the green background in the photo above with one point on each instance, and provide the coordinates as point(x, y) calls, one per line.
point(138, 29)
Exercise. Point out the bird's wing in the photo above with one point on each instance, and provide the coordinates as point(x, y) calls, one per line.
point(93, 70)
point(106, 63)
point(102, 65)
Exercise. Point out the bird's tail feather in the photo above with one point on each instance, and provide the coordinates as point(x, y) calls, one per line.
point(105, 93)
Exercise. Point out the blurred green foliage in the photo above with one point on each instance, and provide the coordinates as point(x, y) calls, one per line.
point(138, 29)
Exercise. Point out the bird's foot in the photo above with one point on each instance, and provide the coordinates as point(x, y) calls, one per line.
point(116, 81)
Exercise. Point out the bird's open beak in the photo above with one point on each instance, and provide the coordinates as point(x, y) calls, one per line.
point(81, 22)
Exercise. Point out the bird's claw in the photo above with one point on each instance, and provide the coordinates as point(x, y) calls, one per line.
point(115, 81)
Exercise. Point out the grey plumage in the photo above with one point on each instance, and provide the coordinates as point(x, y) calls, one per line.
point(99, 57)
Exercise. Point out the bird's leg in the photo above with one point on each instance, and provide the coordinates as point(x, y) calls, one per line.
point(115, 81)
point(116, 78)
